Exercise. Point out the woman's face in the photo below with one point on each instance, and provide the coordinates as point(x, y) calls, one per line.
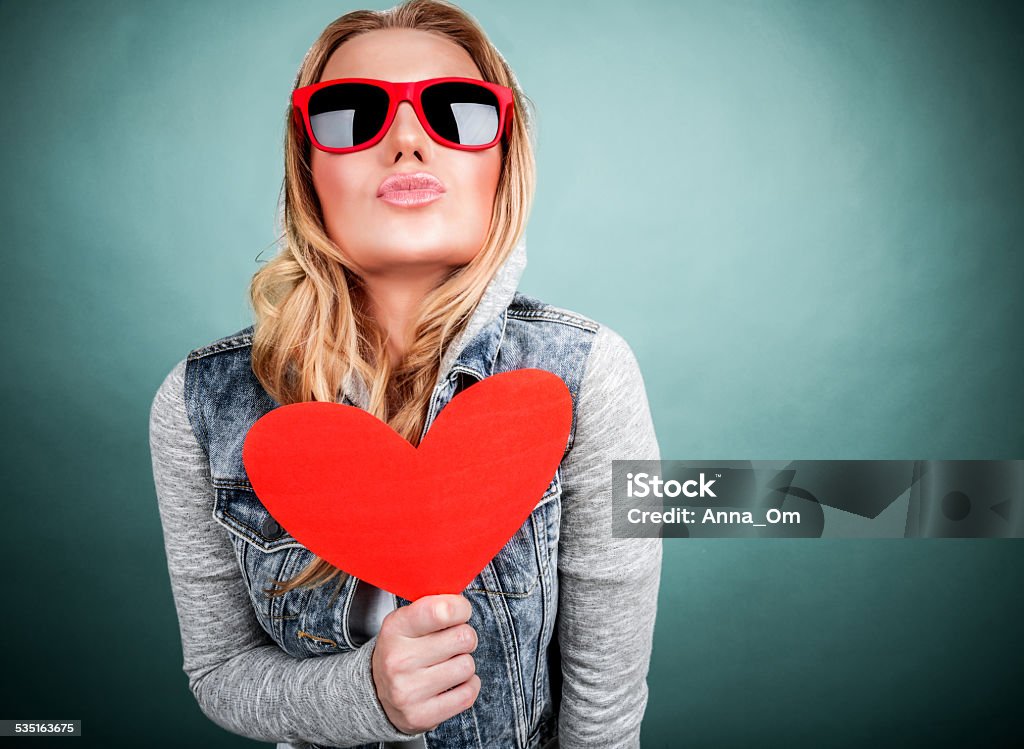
point(383, 237)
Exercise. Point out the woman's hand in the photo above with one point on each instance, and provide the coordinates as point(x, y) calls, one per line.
point(422, 667)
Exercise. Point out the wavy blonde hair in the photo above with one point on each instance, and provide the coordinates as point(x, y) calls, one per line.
point(312, 327)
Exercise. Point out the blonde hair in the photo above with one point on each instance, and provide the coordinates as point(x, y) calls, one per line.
point(312, 328)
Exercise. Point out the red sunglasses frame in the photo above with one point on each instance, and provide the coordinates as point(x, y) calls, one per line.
point(410, 91)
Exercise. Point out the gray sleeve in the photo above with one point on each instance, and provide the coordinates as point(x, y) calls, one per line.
point(608, 587)
point(240, 677)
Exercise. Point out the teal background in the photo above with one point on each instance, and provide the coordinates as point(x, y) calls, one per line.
point(813, 245)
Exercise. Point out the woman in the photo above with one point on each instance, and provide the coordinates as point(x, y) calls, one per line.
point(404, 215)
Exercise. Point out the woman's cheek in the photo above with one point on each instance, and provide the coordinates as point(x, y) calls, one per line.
point(338, 200)
point(334, 178)
point(486, 190)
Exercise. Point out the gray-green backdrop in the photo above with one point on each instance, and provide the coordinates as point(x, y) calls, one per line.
point(805, 217)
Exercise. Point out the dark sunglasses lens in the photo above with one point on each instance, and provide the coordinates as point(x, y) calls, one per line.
point(347, 114)
point(462, 113)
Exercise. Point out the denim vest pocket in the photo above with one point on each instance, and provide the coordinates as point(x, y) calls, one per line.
point(517, 568)
point(266, 552)
point(304, 622)
point(241, 512)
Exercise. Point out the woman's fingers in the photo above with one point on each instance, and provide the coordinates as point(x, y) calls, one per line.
point(436, 710)
point(422, 665)
point(430, 614)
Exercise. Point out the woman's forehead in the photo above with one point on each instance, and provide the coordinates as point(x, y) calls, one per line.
point(399, 55)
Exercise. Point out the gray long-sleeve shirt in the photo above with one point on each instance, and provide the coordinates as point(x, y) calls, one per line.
point(608, 588)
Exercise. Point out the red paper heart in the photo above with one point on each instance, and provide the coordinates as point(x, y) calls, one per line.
point(413, 521)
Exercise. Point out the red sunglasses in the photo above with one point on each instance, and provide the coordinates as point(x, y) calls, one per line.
point(350, 114)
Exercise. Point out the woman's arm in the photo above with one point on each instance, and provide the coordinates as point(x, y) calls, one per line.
point(242, 680)
point(608, 587)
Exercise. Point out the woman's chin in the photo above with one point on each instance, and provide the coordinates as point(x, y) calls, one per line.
point(413, 257)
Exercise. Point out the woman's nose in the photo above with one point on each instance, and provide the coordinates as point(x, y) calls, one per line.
point(406, 132)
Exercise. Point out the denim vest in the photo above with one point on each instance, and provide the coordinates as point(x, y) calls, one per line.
point(514, 598)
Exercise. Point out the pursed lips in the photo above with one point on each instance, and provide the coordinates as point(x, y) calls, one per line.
point(411, 189)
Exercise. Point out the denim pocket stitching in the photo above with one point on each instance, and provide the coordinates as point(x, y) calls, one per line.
point(236, 525)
